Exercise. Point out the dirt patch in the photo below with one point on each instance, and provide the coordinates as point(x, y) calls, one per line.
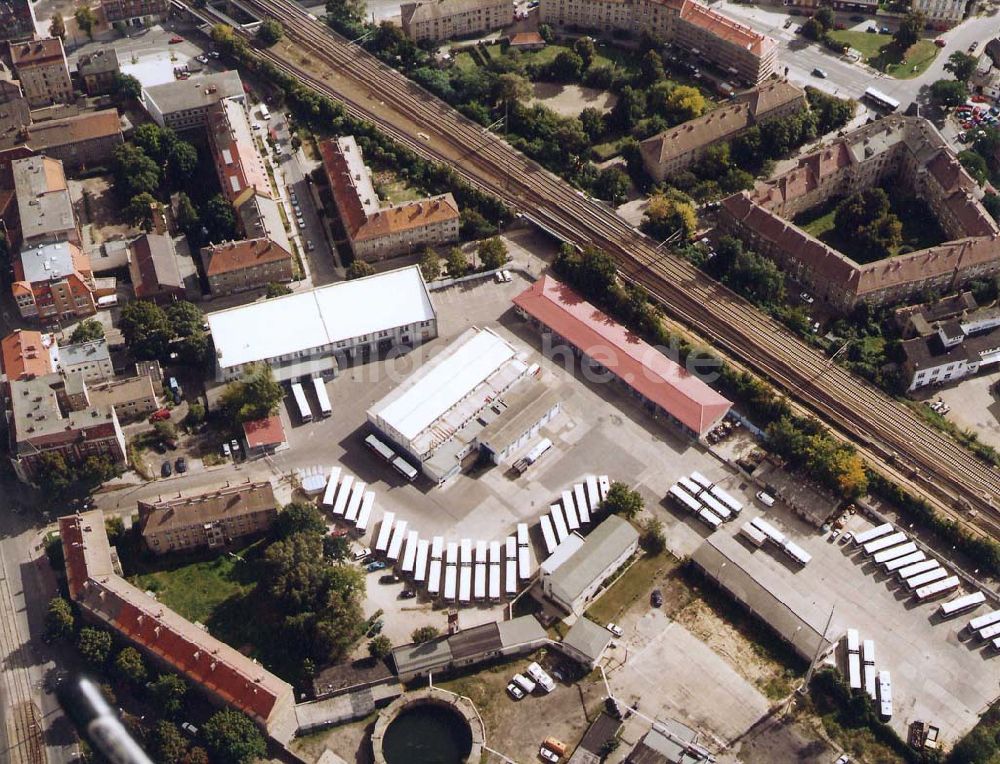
point(785, 740)
point(98, 208)
point(570, 100)
point(352, 742)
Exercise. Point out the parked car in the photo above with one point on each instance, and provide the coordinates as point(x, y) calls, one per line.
point(407, 594)
point(234, 445)
point(615, 629)
point(181, 465)
point(807, 298)
point(166, 470)
point(190, 729)
point(375, 565)
point(389, 578)
point(159, 416)
point(765, 498)
point(885, 30)
point(514, 691)
point(940, 43)
point(214, 54)
point(656, 598)
point(973, 46)
point(310, 246)
point(817, 72)
point(176, 39)
point(360, 555)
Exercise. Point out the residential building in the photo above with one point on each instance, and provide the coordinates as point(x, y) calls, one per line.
point(344, 321)
point(238, 163)
point(679, 147)
point(585, 642)
point(469, 647)
point(664, 387)
point(83, 140)
point(42, 69)
point(221, 672)
point(570, 583)
point(44, 206)
point(264, 436)
point(211, 520)
point(239, 266)
point(15, 116)
point(153, 266)
point(948, 349)
point(135, 13)
point(16, 20)
point(908, 151)
point(448, 19)
point(377, 232)
point(526, 41)
point(734, 49)
point(258, 217)
point(184, 104)
point(942, 14)
point(436, 414)
point(52, 414)
point(90, 359)
point(25, 354)
point(922, 320)
point(53, 282)
point(98, 71)
point(132, 397)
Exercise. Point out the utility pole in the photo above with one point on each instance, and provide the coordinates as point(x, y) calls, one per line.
point(819, 647)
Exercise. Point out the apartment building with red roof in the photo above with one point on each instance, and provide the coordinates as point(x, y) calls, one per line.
point(25, 353)
point(42, 69)
point(238, 163)
point(224, 674)
point(54, 282)
point(663, 386)
point(376, 232)
point(239, 266)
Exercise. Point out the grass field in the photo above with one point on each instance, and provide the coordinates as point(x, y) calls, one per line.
point(879, 52)
point(632, 585)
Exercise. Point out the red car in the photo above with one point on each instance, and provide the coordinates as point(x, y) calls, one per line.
point(160, 416)
point(940, 43)
point(175, 39)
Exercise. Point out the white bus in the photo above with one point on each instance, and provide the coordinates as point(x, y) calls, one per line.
point(726, 499)
point(853, 641)
point(880, 99)
point(753, 534)
point(962, 604)
point(895, 552)
point(917, 568)
point(701, 480)
point(384, 532)
point(354, 503)
point(938, 588)
point(989, 632)
point(451, 571)
point(581, 503)
point(380, 448)
point(479, 591)
point(365, 513)
point(510, 573)
point(522, 534)
point(927, 577)
point(884, 542)
point(465, 572)
point(684, 499)
point(420, 564)
point(331, 487)
point(797, 553)
point(868, 651)
point(873, 533)
point(437, 548)
point(709, 519)
point(901, 562)
point(405, 469)
point(690, 486)
point(854, 670)
point(548, 535)
point(494, 571)
point(340, 503)
point(603, 485)
point(264, 113)
point(558, 523)
point(523, 563)
point(987, 619)
point(885, 695)
point(870, 679)
point(769, 530)
point(396, 544)
point(434, 573)
point(325, 409)
point(717, 507)
point(569, 508)
point(410, 555)
point(593, 495)
point(305, 413)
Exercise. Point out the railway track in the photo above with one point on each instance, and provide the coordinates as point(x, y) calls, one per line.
point(888, 432)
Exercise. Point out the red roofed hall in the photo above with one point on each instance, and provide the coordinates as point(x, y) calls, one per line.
point(264, 436)
point(662, 384)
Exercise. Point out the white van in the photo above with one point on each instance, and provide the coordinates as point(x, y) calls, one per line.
point(524, 683)
point(537, 674)
point(765, 498)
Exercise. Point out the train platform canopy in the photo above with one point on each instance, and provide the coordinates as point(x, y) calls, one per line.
point(633, 361)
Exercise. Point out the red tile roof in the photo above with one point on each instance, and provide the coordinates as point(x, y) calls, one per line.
point(36, 52)
point(635, 362)
point(24, 354)
point(264, 432)
point(726, 29)
point(237, 255)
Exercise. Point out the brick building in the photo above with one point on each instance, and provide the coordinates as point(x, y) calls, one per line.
point(24, 354)
point(152, 264)
point(447, 19)
point(136, 13)
point(98, 71)
point(16, 20)
point(53, 282)
point(42, 69)
point(239, 266)
point(83, 140)
point(238, 163)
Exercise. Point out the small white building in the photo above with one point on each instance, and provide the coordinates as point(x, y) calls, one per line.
point(307, 333)
point(91, 359)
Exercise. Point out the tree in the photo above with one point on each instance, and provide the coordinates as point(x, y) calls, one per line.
point(218, 219)
point(182, 161)
point(975, 165)
point(59, 620)
point(510, 88)
point(232, 738)
point(153, 140)
point(612, 184)
point(269, 32)
point(949, 92)
point(992, 204)
point(86, 331)
point(276, 289)
point(813, 29)
point(134, 171)
point(168, 743)
point(755, 277)
point(684, 103)
point(458, 264)
point(651, 68)
point(666, 215)
point(195, 414)
point(565, 67)
point(255, 396)
point(168, 693)
point(146, 329)
point(379, 647)
point(299, 517)
point(129, 666)
point(910, 29)
point(545, 32)
point(226, 39)
point(165, 430)
point(94, 646)
point(430, 264)
point(85, 20)
point(424, 634)
point(492, 253)
point(473, 225)
point(584, 48)
point(359, 269)
point(54, 473)
point(622, 500)
point(187, 217)
point(825, 17)
point(141, 211)
point(628, 110)
point(336, 548)
point(652, 539)
point(592, 122)
point(197, 755)
point(962, 65)
point(126, 86)
point(58, 26)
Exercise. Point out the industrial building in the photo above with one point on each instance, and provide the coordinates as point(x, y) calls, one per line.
point(346, 320)
point(480, 383)
point(184, 104)
point(585, 642)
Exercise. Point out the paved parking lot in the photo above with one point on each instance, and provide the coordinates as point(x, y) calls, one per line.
point(973, 406)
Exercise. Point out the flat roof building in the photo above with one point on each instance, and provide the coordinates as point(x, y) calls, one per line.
point(53, 282)
point(92, 359)
point(45, 208)
point(663, 386)
point(184, 104)
point(574, 582)
point(347, 319)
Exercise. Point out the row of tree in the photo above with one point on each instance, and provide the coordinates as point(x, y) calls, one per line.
point(156, 333)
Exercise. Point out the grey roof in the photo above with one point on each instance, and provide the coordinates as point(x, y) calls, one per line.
point(475, 641)
point(602, 729)
point(522, 630)
point(156, 262)
point(343, 676)
point(428, 656)
point(604, 544)
point(526, 404)
point(47, 261)
point(657, 748)
point(194, 93)
point(587, 638)
point(43, 200)
point(37, 416)
point(260, 219)
point(103, 60)
point(84, 352)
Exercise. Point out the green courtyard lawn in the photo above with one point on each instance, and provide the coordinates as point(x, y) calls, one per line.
point(634, 584)
point(879, 52)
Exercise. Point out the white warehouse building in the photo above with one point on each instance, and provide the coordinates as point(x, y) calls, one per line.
point(310, 333)
point(478, 383)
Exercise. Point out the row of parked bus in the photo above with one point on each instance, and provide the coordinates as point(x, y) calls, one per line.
point(398, 463)
point(987, 627)
point(577, 508)
point(701, 497)
point(302, 403)
point(347, 498)
point(861, 672)
point(759, 531)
